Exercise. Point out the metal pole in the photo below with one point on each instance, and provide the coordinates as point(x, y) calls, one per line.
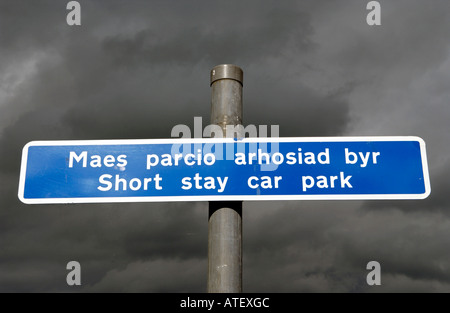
point(225, 217)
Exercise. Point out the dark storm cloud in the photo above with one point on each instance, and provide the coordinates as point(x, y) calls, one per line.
point(102, 238)
point(77, 88)
point(135, 69)
point(262, 33)
point(25, 25)
point(298, 110)
point(152, 276)
point(320, 247)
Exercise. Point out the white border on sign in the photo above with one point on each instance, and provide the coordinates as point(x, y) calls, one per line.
point(223, 197)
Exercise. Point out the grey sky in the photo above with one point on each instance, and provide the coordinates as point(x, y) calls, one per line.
point(135, 69)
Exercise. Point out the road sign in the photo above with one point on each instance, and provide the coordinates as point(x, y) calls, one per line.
point(315, 168)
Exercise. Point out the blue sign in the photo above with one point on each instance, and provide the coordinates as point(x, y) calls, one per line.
point(224, 169)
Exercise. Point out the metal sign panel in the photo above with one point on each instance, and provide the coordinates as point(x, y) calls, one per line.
point(154, 170)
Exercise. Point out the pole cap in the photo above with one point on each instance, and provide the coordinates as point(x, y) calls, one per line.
point(227, 71)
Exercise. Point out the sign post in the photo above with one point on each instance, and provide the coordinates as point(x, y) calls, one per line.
point(225, 217)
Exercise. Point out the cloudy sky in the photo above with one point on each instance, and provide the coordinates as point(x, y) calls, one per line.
point(134, 69)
